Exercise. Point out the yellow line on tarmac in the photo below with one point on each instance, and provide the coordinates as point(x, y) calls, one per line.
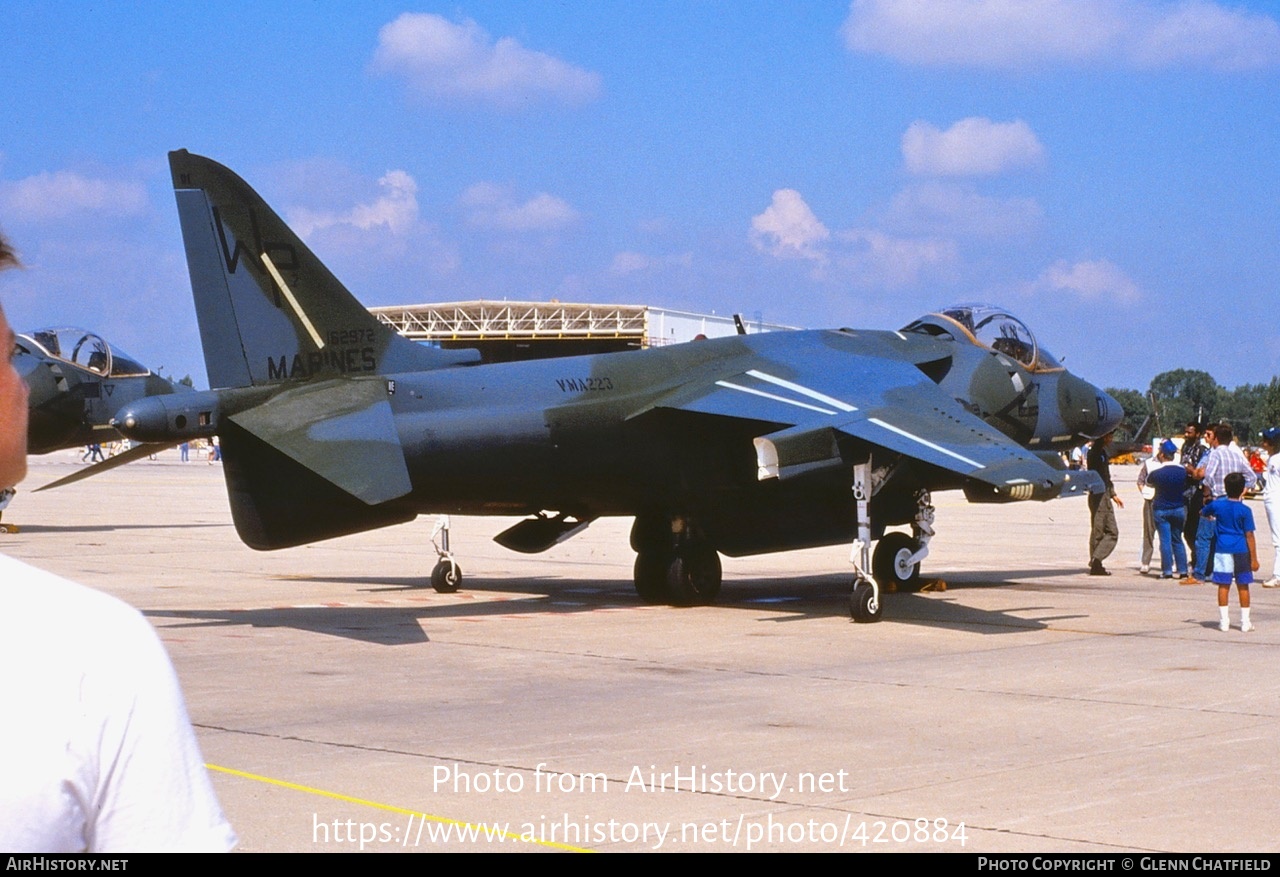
point(337, 796)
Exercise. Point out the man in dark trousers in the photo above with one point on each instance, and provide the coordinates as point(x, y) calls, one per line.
point(1193, 451)
point(1103, 531)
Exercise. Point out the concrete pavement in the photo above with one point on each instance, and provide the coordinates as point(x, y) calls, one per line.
point(1037, 707)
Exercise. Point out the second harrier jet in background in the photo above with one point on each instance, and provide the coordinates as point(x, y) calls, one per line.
point(76, 382)
point(331, 423)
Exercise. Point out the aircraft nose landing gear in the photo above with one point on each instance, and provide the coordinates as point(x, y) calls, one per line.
point(891, 562)
point(864, 595)
point(864, 603)
point(895, 566)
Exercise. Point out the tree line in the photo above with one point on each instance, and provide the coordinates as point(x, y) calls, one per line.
point(1185, 395)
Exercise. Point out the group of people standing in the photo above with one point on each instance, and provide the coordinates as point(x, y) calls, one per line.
point(1193, 504)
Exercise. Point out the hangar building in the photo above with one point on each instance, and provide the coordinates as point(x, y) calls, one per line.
point(507, 330)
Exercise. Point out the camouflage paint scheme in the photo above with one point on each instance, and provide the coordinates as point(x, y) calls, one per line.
point(331, 423)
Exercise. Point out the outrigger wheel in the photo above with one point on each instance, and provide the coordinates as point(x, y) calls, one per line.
point(446, 578)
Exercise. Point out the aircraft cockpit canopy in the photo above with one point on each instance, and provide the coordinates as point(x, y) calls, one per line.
point(988, 326)
point(84, 350)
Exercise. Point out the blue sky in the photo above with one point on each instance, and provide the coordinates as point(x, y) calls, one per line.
point(1106, 170)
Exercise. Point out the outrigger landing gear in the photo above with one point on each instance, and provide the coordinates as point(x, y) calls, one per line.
point(446, 578)
point(674, 563)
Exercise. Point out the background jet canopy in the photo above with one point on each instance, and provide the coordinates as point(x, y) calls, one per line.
point(85, 350)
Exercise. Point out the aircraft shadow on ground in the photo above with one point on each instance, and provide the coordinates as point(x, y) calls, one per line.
point(381, 625)
point(787, 600)
point(107, 528)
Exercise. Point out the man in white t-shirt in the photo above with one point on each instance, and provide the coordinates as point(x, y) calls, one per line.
point(96, 750)
point(98, 754)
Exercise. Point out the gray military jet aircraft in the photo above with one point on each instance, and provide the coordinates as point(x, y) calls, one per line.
point(76, 382)
point(332, 424)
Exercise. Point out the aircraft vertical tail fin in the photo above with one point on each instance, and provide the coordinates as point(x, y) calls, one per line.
point(269, 310)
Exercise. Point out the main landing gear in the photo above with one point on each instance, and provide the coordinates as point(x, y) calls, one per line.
point(446, 578)
point(674, 562)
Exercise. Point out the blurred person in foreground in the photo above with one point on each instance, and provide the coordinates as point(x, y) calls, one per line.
point(96, 751)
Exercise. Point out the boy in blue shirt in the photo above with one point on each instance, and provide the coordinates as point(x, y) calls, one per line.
point(1236, 553)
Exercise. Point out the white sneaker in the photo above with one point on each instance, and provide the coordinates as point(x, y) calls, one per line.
point(1273, 582)
point(1246, 626)
point(1224, 626)
point(1144, 568)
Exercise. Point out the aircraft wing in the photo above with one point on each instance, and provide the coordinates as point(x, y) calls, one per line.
point(819, 392)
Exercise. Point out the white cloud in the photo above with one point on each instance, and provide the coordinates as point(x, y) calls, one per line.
point(874, 258)
point(957, 211)
point(1099, 279)
point(489, 205)
point(443, 60)
point(788, 229)
point(975, 146)
point(631, 262)
point(396, 209)
point(1032, 33)
point(628, 262)
point(1207, 35)
point(51, 196)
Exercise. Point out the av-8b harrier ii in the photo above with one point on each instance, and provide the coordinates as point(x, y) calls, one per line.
point(332, 424)
point(76, 383)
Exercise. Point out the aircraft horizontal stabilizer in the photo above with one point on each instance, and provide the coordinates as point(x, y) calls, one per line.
point(343, 430)
point(137, 452)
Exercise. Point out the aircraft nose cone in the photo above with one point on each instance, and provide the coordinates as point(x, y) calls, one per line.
point(1110, 413)
point(1087, 411)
